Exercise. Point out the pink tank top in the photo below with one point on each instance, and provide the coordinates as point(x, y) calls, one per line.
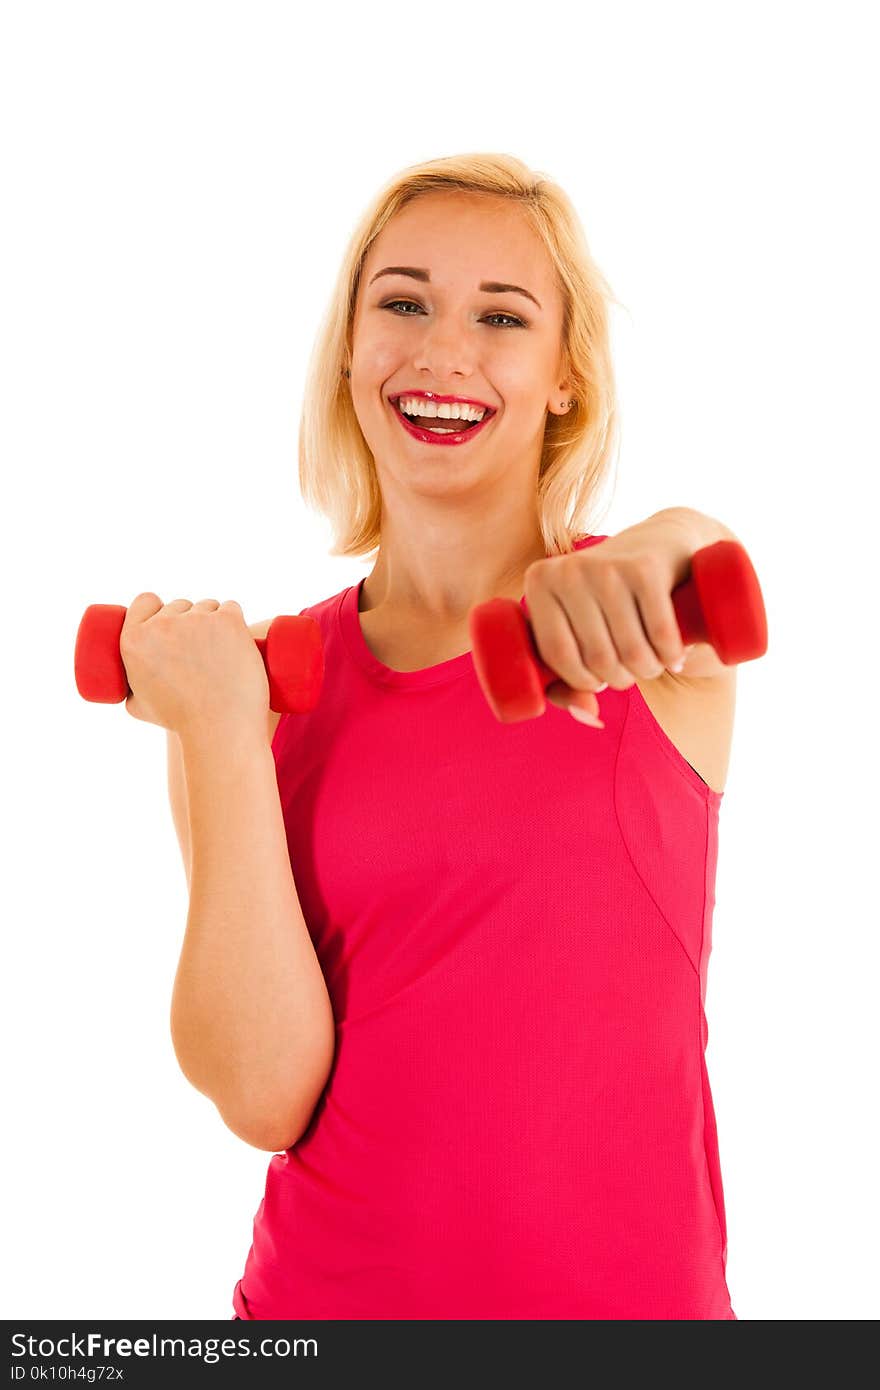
point(514, 923)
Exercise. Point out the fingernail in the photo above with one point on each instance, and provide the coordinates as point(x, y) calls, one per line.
point(603, 686)
point(584, 717)
point(678, 665)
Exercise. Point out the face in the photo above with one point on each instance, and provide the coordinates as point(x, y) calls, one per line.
point(458, 330)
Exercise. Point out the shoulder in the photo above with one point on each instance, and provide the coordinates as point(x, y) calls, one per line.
point(259, 630)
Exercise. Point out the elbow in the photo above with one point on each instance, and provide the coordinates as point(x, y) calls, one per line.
point(260, 1138)
point(271, 1115)
point(272, 1135)
point(277, 1125)
point(270, 1125)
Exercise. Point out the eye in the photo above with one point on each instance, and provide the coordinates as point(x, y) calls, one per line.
point(513, 321)
point(393, 302)
point(517, 323)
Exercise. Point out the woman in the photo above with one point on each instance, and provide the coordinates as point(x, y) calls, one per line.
point(456, 968)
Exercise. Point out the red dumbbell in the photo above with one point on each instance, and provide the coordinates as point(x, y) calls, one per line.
point(720, 603)
point(292, 651)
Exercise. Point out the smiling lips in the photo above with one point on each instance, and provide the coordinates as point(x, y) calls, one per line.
point(442, 429)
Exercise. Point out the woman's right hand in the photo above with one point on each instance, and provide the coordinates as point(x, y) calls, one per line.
point(192, 664)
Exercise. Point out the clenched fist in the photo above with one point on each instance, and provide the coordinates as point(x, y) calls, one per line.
point(604, 615)
point(192, 664)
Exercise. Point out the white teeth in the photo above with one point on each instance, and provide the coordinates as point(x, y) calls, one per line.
point(414, 405)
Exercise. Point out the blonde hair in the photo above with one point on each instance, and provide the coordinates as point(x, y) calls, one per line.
point(337, 472)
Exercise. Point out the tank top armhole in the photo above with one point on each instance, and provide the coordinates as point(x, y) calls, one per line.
point(668, 822)
point(642, 712)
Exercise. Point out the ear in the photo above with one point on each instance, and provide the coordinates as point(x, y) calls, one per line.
point(558, 401)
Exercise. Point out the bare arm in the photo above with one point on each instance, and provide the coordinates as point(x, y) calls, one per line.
point(251, 1019)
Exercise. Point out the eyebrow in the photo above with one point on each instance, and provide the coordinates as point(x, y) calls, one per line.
point(487, 286)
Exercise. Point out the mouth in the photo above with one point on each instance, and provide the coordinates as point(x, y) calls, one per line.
point(433, 422)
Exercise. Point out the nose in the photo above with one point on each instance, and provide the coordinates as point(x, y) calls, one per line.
point(444, 352)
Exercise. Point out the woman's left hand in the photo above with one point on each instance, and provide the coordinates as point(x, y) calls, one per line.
point(604, 616)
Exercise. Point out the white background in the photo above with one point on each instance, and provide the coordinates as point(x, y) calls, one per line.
point(180, 181)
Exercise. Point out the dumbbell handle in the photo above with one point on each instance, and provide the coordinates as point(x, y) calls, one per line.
point(292, 652)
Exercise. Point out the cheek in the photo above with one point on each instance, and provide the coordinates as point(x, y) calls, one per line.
point(523, 378)
point(518, 361)
point(377, 354)
point(517, 386)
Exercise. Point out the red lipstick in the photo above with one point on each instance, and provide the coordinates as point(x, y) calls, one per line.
point(426, 436)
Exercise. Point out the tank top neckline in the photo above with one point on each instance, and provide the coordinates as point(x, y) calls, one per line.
point(376, 670)
point(348, 614)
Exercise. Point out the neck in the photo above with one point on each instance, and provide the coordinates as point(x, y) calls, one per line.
point(436, 577)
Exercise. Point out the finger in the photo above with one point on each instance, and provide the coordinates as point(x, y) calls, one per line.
point(660, 623)
point(142, 607)
point(207, 605)
point(589, 607)
point(230, 606)
point(555, 638)
point(179, 605)
point(133, 707)
point(635, 658)
point(564, 697)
